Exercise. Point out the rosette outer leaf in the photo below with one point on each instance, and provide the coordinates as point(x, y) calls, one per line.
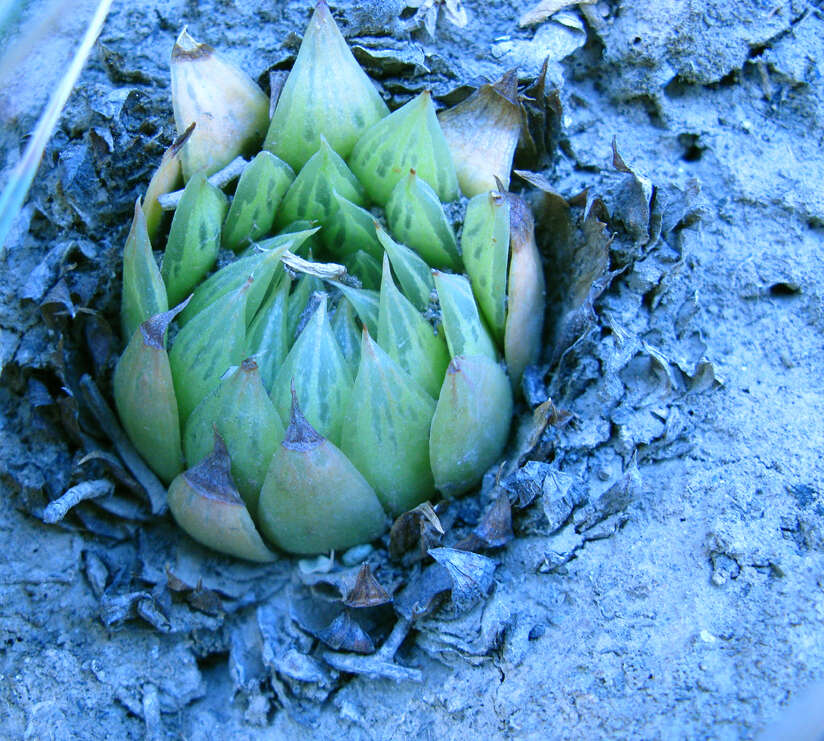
point(194, 237)
point(229, 110)
point(144, 294)
point(145, 397)
point(206, 504)
point(471, 423)
point(313, 499)
point(207, 347)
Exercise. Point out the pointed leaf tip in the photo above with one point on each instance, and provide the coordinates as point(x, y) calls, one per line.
point(300, 435)
point(154, 328)
point(178, 143)
point(212, 476)
point(186, 45)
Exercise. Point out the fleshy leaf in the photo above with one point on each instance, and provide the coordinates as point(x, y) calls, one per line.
point(302, 291)
point(408, 138)
point(366, 269)
point(267, 338)
point(194, 237)
point(417, 219)
point(526, 293)
point(313, 499)
point(262, 185)
point(386, 430)
point(262, 265)
point(326, 93)
point(366, 303)
point(144, 294)
point(212, 342)
point(471, 423)
point(165, 179)
point(311, 244)
point(321, 377)
point(485, 251)
point(347, 333)
point(230, 111)
point(310, 196)
point(206, 504)
point(241, 411)
point(145, 397)
point(464, 328)
point(482, 132)
point(414, 275)
point(409, 339)
point(350, 228)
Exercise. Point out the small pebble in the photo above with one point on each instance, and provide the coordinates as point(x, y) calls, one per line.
point(357, 554)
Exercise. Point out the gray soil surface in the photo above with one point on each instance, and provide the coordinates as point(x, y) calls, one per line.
point(667, 583)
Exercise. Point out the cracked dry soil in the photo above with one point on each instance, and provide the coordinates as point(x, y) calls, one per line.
point(666, 582)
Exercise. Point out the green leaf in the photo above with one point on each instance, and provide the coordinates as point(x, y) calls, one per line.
point(485, 248)
point(471, 423)
point(302, 291)
point(408, 138)
point(414, 275)
point(326, 93)
point(311, 244)
point(194, 238)
point(321, 377)
point(267, 338)
point(145, 397)
point(416, 218)
point(212, 342)
point(366, 269)
point(386, 430)
point(409, 339)
point(347, 333)
point(310, 196)
point(144, 294)
point(465, 331)
point(241, 411)
point(350, 228)
point(261, 265)
point(313, 499)
point(366, 304)
point(262, 185)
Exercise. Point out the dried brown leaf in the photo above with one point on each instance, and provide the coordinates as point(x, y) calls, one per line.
point(495, 528)
point(367, 591)
point(344, 633)
point(416, 530)
point(471, 575)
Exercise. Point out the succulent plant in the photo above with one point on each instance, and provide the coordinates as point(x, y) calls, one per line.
point(312, 401)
